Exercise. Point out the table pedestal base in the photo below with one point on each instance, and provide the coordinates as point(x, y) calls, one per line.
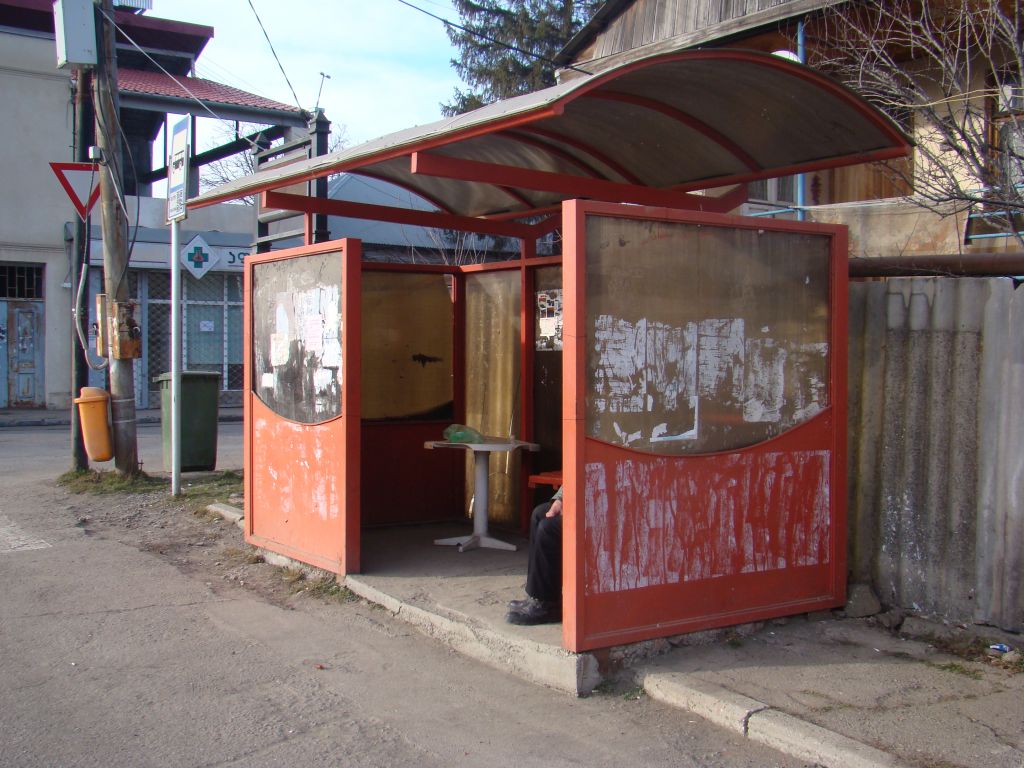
point(480, 539)
point(475, 541)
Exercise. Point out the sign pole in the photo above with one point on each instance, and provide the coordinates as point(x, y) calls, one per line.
point(85, 126)
point(177, 186)
point(175, 359)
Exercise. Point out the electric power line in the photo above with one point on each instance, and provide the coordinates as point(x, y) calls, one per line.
point(280, 66)
point(157, 64)
point(489, 39)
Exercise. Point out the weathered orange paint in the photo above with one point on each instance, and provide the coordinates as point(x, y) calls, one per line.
point(302, 480)
point(658, 545)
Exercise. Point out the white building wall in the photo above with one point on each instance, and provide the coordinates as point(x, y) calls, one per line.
point(36, 129)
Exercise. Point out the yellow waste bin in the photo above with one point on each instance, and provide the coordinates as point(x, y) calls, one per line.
point(93, 405)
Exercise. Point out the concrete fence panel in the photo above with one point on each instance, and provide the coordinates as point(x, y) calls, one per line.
point(936, 459)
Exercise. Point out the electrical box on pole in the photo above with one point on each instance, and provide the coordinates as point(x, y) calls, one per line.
point(74, 23)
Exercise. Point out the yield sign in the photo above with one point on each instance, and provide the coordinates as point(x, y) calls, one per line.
point(81, 182)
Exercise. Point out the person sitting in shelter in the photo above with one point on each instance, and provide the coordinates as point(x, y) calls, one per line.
point(543, 603)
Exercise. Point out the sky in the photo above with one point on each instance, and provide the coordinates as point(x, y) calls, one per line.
point(389, 65)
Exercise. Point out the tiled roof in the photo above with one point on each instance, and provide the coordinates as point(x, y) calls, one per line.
point(159, 84)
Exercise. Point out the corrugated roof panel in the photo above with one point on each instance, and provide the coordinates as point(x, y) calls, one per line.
point(698, 119)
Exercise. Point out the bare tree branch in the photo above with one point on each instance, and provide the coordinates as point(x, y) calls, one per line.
point(949, 72)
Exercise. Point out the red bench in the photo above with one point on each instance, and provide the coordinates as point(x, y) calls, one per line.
point(553, 478)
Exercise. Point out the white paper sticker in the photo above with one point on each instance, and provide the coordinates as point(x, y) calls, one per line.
point(332, 354)
point(314, 334)
point(278, 349)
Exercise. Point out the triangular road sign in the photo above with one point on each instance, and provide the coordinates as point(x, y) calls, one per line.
point(82, 183)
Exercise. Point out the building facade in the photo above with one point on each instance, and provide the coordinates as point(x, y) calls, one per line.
point(37, 218)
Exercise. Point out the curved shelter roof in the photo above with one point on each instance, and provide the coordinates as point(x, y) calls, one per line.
point(649, 132)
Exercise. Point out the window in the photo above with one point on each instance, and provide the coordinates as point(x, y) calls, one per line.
point(1008, 128)
point(780, 190)
point(19, 281)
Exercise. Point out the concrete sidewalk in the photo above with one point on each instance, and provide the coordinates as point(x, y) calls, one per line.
point(829, 690)
point(41, 417)
point(849, 693)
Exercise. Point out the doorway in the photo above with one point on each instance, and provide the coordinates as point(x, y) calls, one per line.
point(21, 336)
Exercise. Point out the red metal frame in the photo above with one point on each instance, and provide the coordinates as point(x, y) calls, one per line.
point(681, 117)
point(311, 205)
point(554, 150)
point(595, 153)
point(594, 618)
point(526, 336)
point(355, 163)
point(442, 166)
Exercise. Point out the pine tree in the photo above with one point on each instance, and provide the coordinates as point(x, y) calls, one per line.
point(507, 46)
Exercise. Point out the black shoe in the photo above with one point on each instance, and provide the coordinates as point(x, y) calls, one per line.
point(518, 605)
point(533, 611)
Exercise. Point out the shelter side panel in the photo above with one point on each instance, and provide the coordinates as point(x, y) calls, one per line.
point(297, 380)
point(706, 485)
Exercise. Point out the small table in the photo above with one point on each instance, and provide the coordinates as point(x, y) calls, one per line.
point(481, 453)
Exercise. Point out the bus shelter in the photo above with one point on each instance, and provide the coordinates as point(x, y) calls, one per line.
point(682, 371)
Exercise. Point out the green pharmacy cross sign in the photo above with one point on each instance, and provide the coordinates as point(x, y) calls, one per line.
point(198, 257)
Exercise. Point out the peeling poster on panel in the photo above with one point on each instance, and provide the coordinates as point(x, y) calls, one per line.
point(706, 385)
point(297, 330)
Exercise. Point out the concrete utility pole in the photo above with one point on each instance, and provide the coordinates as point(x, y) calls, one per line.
point(115, 255)
point(84, 136)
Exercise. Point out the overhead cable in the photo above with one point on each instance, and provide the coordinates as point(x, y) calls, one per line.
point(280, 66)
point(489, 39)
point(177, 82)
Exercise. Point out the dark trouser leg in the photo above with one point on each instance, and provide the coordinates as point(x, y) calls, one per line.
point(544, 569)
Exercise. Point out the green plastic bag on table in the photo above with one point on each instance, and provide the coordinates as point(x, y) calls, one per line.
point(460, 433)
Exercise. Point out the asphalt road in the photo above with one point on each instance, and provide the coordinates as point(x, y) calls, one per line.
point(113, 654)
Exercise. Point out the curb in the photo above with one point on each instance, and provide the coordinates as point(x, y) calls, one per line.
point(228, 512)
point(578, 674)
point(575, 673)
point(759, 722)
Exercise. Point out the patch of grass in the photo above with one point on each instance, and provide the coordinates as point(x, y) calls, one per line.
point(293, 577)
point(199, 492)
point(213, 488)
point(973, 647)
point(206, 515)
point(327, 588)
point(246, 555)
point(106, 482)
point(324, 588)
point(959, 669)
point(624, 689)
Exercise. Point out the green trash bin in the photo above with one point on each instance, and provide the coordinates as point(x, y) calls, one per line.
point(199, 395)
